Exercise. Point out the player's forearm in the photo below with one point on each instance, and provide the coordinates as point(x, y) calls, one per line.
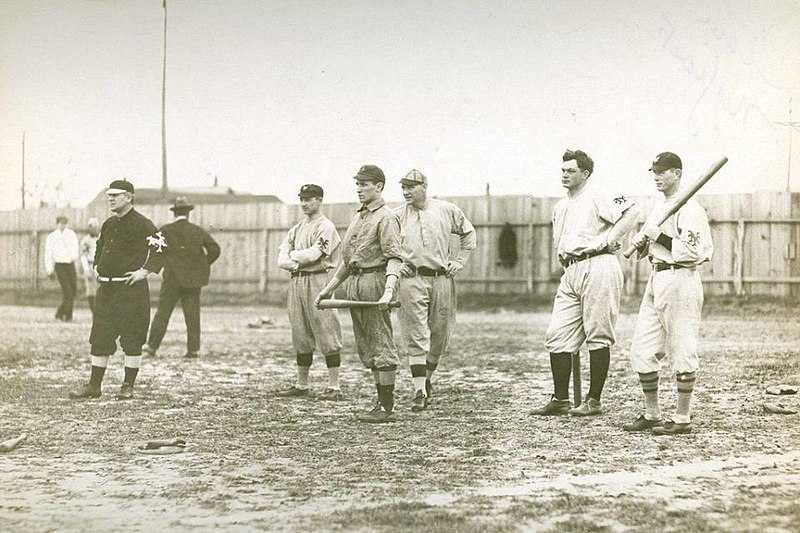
point(393, 266)
point(624, 225)
point(306, 256)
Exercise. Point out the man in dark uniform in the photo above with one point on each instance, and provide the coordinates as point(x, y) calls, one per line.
point(188, 256)
point(129, 248)
point(371, 261)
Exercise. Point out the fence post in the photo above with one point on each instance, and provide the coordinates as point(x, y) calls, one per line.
point(738, 280)
point(263, 272)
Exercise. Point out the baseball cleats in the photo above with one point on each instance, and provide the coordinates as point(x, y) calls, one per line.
point(125, 392)
point(420, 402)
point(672, 428)
point(191, 355)
point(292, 392)
point(589, 407)
point(87, 391)
point(331, 395)
point(556, 407)
point(376, 416)
point(641, 424)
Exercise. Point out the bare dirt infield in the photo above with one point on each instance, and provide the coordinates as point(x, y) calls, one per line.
point(475, 461)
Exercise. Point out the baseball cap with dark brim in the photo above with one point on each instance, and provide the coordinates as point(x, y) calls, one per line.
point(414, 177)
point(370, 173)
point(665, 161)
point(120, 186)
point(310, 190)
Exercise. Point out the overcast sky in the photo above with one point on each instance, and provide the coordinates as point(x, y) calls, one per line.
point(270, 95)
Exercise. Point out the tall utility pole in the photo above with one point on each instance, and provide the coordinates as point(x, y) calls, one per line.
point(23, 170)
point(164, 186)
point(792, 126)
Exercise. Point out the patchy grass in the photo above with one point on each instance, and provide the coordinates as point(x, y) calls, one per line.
point(474, 462)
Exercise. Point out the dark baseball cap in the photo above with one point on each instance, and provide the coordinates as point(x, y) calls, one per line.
point(665, 161)
point(118, 186)
point(309, 190)
point(370, 173)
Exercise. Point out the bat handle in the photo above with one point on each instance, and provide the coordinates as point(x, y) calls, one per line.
point(629, 252)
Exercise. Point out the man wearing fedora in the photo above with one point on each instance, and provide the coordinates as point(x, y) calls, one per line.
point(188, 256)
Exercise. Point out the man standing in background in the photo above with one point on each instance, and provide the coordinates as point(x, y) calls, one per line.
point(88, 247)
point(309, 251)
point(60, 254)
point(188, 255)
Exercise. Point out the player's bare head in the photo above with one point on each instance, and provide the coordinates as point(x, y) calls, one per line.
point(93, 225)
point(62, 221)
point(581, 158)
point(415, 188)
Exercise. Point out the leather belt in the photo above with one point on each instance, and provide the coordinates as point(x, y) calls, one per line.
point(659, 267)
point(104, 279)
point(430, 272)
point(303, 273)
point(358, 270)
point(578, 258)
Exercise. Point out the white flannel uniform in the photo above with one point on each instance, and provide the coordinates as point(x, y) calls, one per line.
point(669, 317)
point(428, 302)
point(586, 305)
point(311, 326)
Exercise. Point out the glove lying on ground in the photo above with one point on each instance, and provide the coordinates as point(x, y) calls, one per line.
point(10, 444)
point(163, 446)
point(782, 389)
point(777, 409)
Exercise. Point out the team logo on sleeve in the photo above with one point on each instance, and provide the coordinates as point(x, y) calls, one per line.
point(620, 200)
point(692, 238)
point(323, 243)
point(157, 241)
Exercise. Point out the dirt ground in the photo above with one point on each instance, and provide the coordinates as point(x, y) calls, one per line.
point(474, 462)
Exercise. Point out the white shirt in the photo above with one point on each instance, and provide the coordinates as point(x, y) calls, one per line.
point(60, 247)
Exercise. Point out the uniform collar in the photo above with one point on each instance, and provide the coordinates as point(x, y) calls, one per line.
point(374, 205)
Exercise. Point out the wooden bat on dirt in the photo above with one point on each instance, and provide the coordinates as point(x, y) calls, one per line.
point(683, 196)
point(347, 304)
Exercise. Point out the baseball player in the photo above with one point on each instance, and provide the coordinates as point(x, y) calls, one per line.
point(427, 292)
point(188, 257)
point(587, 227)
point(669, 317)
point(88, 248)
point(128, 249)
point(60, 254)
point(371, 261)
point(309, 251)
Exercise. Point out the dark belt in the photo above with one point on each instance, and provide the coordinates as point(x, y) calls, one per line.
point(658, 267)
point(578, 258)
point(358, 270)
point(430, 272)
point(303, 273)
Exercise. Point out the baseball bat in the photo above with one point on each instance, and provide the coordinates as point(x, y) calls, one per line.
point(577, 393)
point(348, 304)
point(683, 196)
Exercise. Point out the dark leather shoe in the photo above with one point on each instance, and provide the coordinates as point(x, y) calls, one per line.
point(554, 408)
point(191, 355)
point(420, 402)
point(377, 417)
point(673, 428)
point(87, 391)
point(125, 392)
point(642, 424)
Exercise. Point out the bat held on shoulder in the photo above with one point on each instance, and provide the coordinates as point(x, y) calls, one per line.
point(350, 304)
point(684, 195)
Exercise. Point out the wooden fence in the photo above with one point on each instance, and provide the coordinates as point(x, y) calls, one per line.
point(755, 238)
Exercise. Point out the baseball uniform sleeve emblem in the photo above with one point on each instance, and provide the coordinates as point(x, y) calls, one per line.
point(157, 241)
point(620, 200)
point(692, 238)
point(323, 243)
